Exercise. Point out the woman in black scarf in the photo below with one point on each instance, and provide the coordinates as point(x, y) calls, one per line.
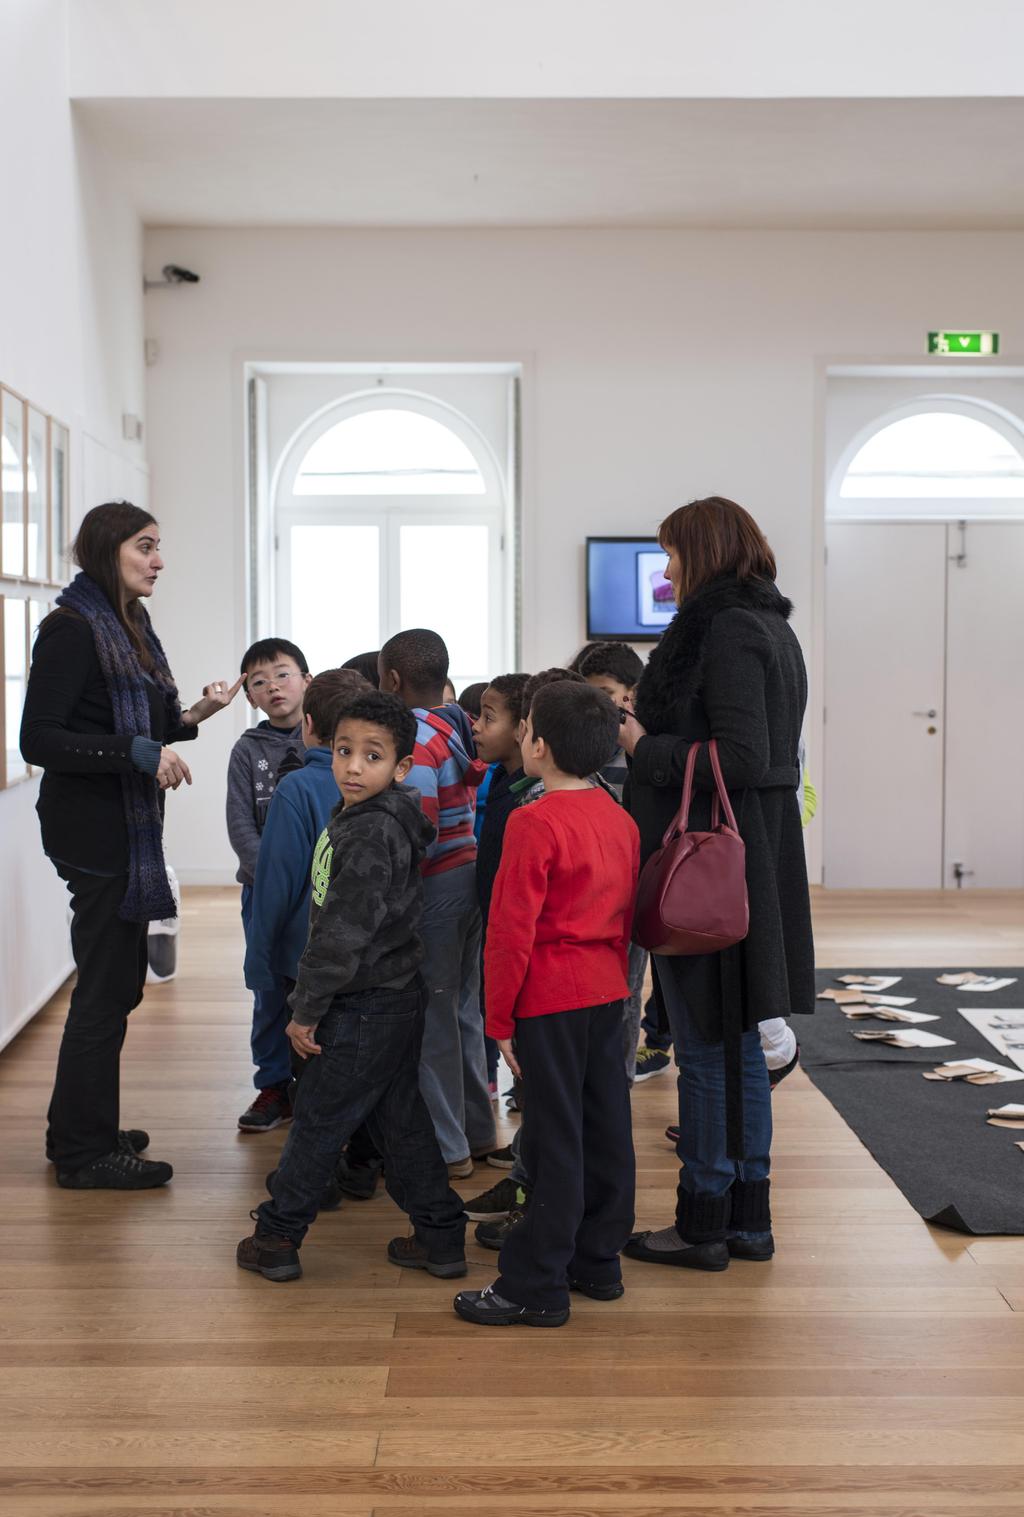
point(728, 667)
point(100, 711)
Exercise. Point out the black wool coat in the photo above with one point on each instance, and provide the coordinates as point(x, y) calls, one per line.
point(730, 667)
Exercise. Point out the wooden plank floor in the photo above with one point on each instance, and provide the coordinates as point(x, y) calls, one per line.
point(874, 1367)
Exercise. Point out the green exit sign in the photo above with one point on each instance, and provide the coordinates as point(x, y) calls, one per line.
point(963, 342)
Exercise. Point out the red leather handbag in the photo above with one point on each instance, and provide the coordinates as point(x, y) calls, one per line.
point(692, 893)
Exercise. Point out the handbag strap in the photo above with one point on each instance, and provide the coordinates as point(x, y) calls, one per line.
point(719, 802)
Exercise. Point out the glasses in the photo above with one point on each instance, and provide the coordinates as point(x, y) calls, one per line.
point(282, 677)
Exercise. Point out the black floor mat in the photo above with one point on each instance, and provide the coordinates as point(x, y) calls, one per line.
point(931, 1138)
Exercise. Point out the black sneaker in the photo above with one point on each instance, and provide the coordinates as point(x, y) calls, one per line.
point(273, 1258)
point(411, 1254)
point(116, 1171)
point(672, 1133)
point(495, 1203)
point(271, 1107)
point(131, 1140)
point(502, 1158)
point(612, 1292)
point(491, 1310)
point(493, 1234)
point(649, 1062)
point(514, 1097)
point(358, 1180)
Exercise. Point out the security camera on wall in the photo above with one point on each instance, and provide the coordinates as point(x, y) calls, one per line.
point(173, 274)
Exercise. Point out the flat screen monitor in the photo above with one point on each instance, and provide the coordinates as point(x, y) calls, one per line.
point(628, 595)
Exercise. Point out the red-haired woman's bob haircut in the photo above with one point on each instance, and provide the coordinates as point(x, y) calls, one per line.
point(712, 537)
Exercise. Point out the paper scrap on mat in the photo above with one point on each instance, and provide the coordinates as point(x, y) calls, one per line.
point(870, 981)
point(968, 980)
point(983, 985)
point(974, 1071)
point(841, 997)
point(888, 1013)
point(876, 1000)
point(908, 1037)
point(1001, 1028)
point(1011, 1115)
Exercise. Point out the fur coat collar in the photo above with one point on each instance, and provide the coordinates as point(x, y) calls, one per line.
point(675, 668)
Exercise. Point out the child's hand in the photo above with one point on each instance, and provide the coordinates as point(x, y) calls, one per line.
point(301, 1039)
point(505, 1044)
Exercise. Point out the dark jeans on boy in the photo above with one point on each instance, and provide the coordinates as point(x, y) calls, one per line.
point(367, 1072)
point(654, 1023)
point(270, 1017)
point(110, 956)
point(578, 1147)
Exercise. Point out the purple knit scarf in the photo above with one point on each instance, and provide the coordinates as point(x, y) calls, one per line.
point(148, 897)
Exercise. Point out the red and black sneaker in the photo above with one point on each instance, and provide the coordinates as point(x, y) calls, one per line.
point(272, 1106)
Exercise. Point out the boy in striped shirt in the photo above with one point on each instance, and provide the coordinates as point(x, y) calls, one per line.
point(453, 1066)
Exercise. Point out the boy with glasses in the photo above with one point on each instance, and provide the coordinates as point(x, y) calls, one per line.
point(276, 676)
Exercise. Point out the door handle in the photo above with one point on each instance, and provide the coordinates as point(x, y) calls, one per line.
point(931, 715)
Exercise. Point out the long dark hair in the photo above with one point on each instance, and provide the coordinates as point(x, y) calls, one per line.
point(95, 551)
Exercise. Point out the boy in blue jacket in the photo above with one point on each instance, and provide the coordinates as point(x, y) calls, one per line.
point(299, 812)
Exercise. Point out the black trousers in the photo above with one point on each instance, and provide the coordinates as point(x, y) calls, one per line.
point(367, 1072)
point(110, 956)
point(578, 1147)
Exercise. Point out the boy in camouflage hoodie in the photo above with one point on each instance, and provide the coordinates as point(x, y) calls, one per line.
point(357, 1009)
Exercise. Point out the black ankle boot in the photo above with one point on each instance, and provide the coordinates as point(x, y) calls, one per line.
point(751, 1213)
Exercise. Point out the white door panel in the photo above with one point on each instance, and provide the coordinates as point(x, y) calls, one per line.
point(882, 793)
point(985, 710)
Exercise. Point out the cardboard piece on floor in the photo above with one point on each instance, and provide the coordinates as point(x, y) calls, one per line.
point(1012, 1111)
point(870, 981)
point(1000, 1027)
point(985, 985)
point(909, 1037)
point(888, 1013)
point(1015, 1124)
point(975, 1072)
point(841, 997)
point(964, 978)
point(876, 1000)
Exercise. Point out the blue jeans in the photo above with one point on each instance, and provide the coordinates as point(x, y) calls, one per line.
point(707, 1171)
point(271, 1051)
point(367, 1072)
point(453, 1068)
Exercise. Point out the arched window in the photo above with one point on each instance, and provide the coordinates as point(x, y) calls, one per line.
point(940, 457)
point(390, 513)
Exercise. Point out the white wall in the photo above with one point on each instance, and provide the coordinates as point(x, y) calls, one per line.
point(573, 48)
point(70, 339)
point(658, 366)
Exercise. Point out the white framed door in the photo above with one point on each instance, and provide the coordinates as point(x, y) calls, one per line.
point(883, 781)
point(984, 831)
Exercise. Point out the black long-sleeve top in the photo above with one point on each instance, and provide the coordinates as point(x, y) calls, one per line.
point(67, 730)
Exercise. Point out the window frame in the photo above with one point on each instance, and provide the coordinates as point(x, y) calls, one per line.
point(389, 513)
point(927, 508)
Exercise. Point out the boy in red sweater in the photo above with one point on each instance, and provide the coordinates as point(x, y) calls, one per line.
point(555, 964)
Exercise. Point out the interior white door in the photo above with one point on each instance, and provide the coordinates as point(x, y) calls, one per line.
point(882, 788)
point(985, 707)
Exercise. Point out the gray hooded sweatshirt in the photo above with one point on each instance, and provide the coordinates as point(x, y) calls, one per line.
point(252, 780)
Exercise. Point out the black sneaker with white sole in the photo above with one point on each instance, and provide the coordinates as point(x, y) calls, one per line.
point(494, 1204)
point(488, 1309)
point(650, 1062)
point(116, 1171)
point(131, 1139)
point(272, 1106)
point(493, 1234)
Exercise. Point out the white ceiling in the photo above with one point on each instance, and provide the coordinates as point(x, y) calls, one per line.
point(866, 164)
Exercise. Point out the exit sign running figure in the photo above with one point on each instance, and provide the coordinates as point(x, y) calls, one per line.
point(963, 342)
